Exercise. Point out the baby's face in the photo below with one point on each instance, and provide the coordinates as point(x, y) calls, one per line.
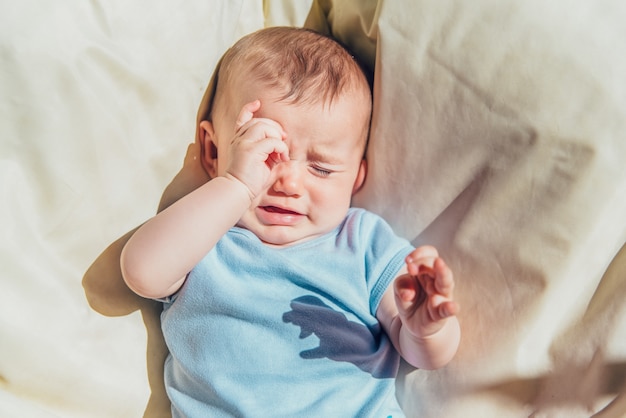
point(310, 194)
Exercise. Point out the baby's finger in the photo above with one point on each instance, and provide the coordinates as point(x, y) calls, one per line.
point(420, 266)
point(424, 255)
point(246, 119)
point(272, 149)
point(408, 293)
point(444, 310)
point(260, 128)
point(247, 113)
point(404, 293)
point(444, 279)
point(280, 152)
point(425, 277)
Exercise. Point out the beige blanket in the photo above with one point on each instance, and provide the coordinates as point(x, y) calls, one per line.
point(498, 136)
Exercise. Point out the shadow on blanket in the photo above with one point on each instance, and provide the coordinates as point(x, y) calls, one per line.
point(108, 295)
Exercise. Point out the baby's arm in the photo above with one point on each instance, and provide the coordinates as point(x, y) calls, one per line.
point(418, 311)
point(158, 256)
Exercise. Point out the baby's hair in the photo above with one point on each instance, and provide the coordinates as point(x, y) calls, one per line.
point(307, 66)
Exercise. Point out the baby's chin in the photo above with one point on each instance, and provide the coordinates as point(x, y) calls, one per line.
point(284, 236)
point(282, 240)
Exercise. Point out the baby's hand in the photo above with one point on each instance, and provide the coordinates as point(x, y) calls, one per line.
point(257, 147)
point(424, 296)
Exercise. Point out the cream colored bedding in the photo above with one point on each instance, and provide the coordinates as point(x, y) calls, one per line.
point(498, 135)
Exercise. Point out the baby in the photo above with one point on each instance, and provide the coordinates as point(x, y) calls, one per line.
point(279, 298)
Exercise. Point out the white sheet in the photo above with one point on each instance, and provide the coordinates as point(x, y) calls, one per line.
point(98, 103)
point(498, 136)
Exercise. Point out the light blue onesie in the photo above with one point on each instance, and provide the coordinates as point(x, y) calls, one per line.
point(257, 331)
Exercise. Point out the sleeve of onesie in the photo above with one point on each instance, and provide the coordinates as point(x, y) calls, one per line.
point(384, 255)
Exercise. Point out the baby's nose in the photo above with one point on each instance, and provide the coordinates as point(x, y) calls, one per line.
point(288, 178)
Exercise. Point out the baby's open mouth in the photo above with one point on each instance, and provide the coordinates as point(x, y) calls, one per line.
point(275, 209)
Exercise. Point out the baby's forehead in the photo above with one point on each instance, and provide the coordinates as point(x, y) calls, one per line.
point(239, 92)
point(296, 86)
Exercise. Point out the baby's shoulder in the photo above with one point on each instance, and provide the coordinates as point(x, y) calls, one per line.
point(363, 216)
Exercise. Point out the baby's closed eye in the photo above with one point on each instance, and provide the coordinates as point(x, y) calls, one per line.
point(320, 171)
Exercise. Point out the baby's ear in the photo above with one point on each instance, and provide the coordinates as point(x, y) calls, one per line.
point(360, 177)
point(209, 148)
